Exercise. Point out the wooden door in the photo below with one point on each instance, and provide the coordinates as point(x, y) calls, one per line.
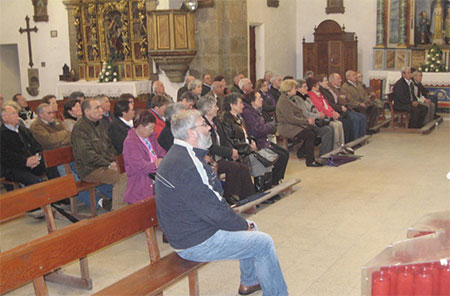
point(335, 58)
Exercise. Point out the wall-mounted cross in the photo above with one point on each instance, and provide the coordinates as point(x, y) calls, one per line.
point(28, 30)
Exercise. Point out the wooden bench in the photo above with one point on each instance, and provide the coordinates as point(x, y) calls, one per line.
point(64, 156)
point(43, 195)
point(29, 262)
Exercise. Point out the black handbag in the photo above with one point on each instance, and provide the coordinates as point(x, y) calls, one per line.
point(323, 121)
point(267, 157)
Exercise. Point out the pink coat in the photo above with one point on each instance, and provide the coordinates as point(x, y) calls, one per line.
point(321, 104)
point(138, 165)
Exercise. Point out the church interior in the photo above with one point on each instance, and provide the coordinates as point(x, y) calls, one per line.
point(337, 219)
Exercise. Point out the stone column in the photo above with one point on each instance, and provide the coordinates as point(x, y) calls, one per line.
point(380, 23)
point(402, 25)
point(221, 40)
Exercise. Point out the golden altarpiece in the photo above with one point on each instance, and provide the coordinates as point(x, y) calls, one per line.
point(132, 34)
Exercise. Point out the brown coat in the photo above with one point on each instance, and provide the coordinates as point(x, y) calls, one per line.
point(291, 120)
point(50, 136)
point(355, 94)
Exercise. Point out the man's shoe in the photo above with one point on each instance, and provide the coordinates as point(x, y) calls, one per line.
point(106, 204)
point(247, 290)
point(314, 164)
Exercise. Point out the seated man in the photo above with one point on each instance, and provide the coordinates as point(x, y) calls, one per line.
point(217, 91)
point(275, 83)
point(405, 100)
point(421, 94)
point(235, 88)
point(107, 116)
point(158, 89)
point(165, 139)
point(196, 219)
point(49, 131)
point(206, 84)
point(246, 86)
point(94, 154)
point(358, 99)
point(184, 88)
point(122, 122)
point(20, 152)
point(188, 99)
point(26, 113)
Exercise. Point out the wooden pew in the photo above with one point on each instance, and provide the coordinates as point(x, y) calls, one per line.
point(64, 156)
point(43, 195)
point(29, 262)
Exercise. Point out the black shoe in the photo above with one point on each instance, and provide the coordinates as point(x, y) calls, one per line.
point(231, 200)
point(247, 290)
point(314, 164)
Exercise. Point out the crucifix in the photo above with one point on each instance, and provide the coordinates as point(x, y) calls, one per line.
point(33, 74)
point(29, 30)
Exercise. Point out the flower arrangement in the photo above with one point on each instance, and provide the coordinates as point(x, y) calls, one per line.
point(108, 73)
point(433, 61)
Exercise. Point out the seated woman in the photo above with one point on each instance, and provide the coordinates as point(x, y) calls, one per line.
point(235, 133)
point(158, 107)
point(142, 156)
point(72, 112)
point(294, 124)
point(269, 103)
point(326, 132)
point(259, 129)
point(238, 181)
point(322, 106)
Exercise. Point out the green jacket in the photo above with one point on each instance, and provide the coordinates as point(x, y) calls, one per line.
point(92, 148)
point(355, 94)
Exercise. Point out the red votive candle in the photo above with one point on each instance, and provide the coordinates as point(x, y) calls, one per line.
point(423, 282)
point(380, 283)
point(405, 281)
point(444, 287)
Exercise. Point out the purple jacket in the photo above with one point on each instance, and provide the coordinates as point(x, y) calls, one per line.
point(138, 166)
point(256, 125)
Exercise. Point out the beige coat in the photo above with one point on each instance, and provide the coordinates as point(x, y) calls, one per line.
point(50, 136)
point(355, 94)
point(291, 120)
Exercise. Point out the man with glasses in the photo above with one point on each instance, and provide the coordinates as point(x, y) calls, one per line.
point(196, 219)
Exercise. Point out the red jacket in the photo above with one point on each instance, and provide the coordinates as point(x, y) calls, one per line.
point(159, 124)
point(321, 103)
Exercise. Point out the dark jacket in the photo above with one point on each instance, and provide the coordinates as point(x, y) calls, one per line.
point(233, 133)
point(403, 95)
point(216, 148)
point(423, 91)
point(330, 99)
point(235, 89)
point(180, 92)
point(257, 127)
point(117, 133)
point(275, 93)
point(92, 147)
point(189, 204)
point(165, 139)
point(269, 105)
point(106, 120)
point(205, 89)
point(17, 147)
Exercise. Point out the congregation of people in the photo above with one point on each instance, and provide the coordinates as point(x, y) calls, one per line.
point(210, 130)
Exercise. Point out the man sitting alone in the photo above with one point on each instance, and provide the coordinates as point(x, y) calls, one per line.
point(196, 219)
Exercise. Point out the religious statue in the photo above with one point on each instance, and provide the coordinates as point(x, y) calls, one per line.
point(436, 23)
point(424, 24)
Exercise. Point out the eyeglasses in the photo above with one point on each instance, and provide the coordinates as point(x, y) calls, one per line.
point(201, 125)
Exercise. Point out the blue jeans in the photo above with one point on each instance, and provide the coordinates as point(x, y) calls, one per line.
point(359, 122)
point(83, 196)
point(255, 251)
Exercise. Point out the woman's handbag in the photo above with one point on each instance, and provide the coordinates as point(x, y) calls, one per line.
point(323, 121)
point(267, 157)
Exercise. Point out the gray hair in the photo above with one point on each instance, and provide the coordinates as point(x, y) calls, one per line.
point(332, 76)
point(274, 77)
point(155, 83)
point(416, 72)
point(206, 103)
point(300, 82)
point(268, 73)
point(243, 81)
point(194, 83)
point(173, 109)
point(11, 104)
point(41, 108)
point(182, 122)
point(347, 74)
point(404, 69)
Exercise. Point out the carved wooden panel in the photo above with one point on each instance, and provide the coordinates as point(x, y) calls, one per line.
point(322, 54)
point(309, 57)
point(163, 31)
point(180, 25)
point(390, 59)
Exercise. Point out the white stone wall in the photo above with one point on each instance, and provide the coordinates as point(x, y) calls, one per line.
point(53, 51)
point(278, 32)
point(359, 17)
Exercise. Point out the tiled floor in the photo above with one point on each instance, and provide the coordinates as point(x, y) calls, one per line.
point(336, 220)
